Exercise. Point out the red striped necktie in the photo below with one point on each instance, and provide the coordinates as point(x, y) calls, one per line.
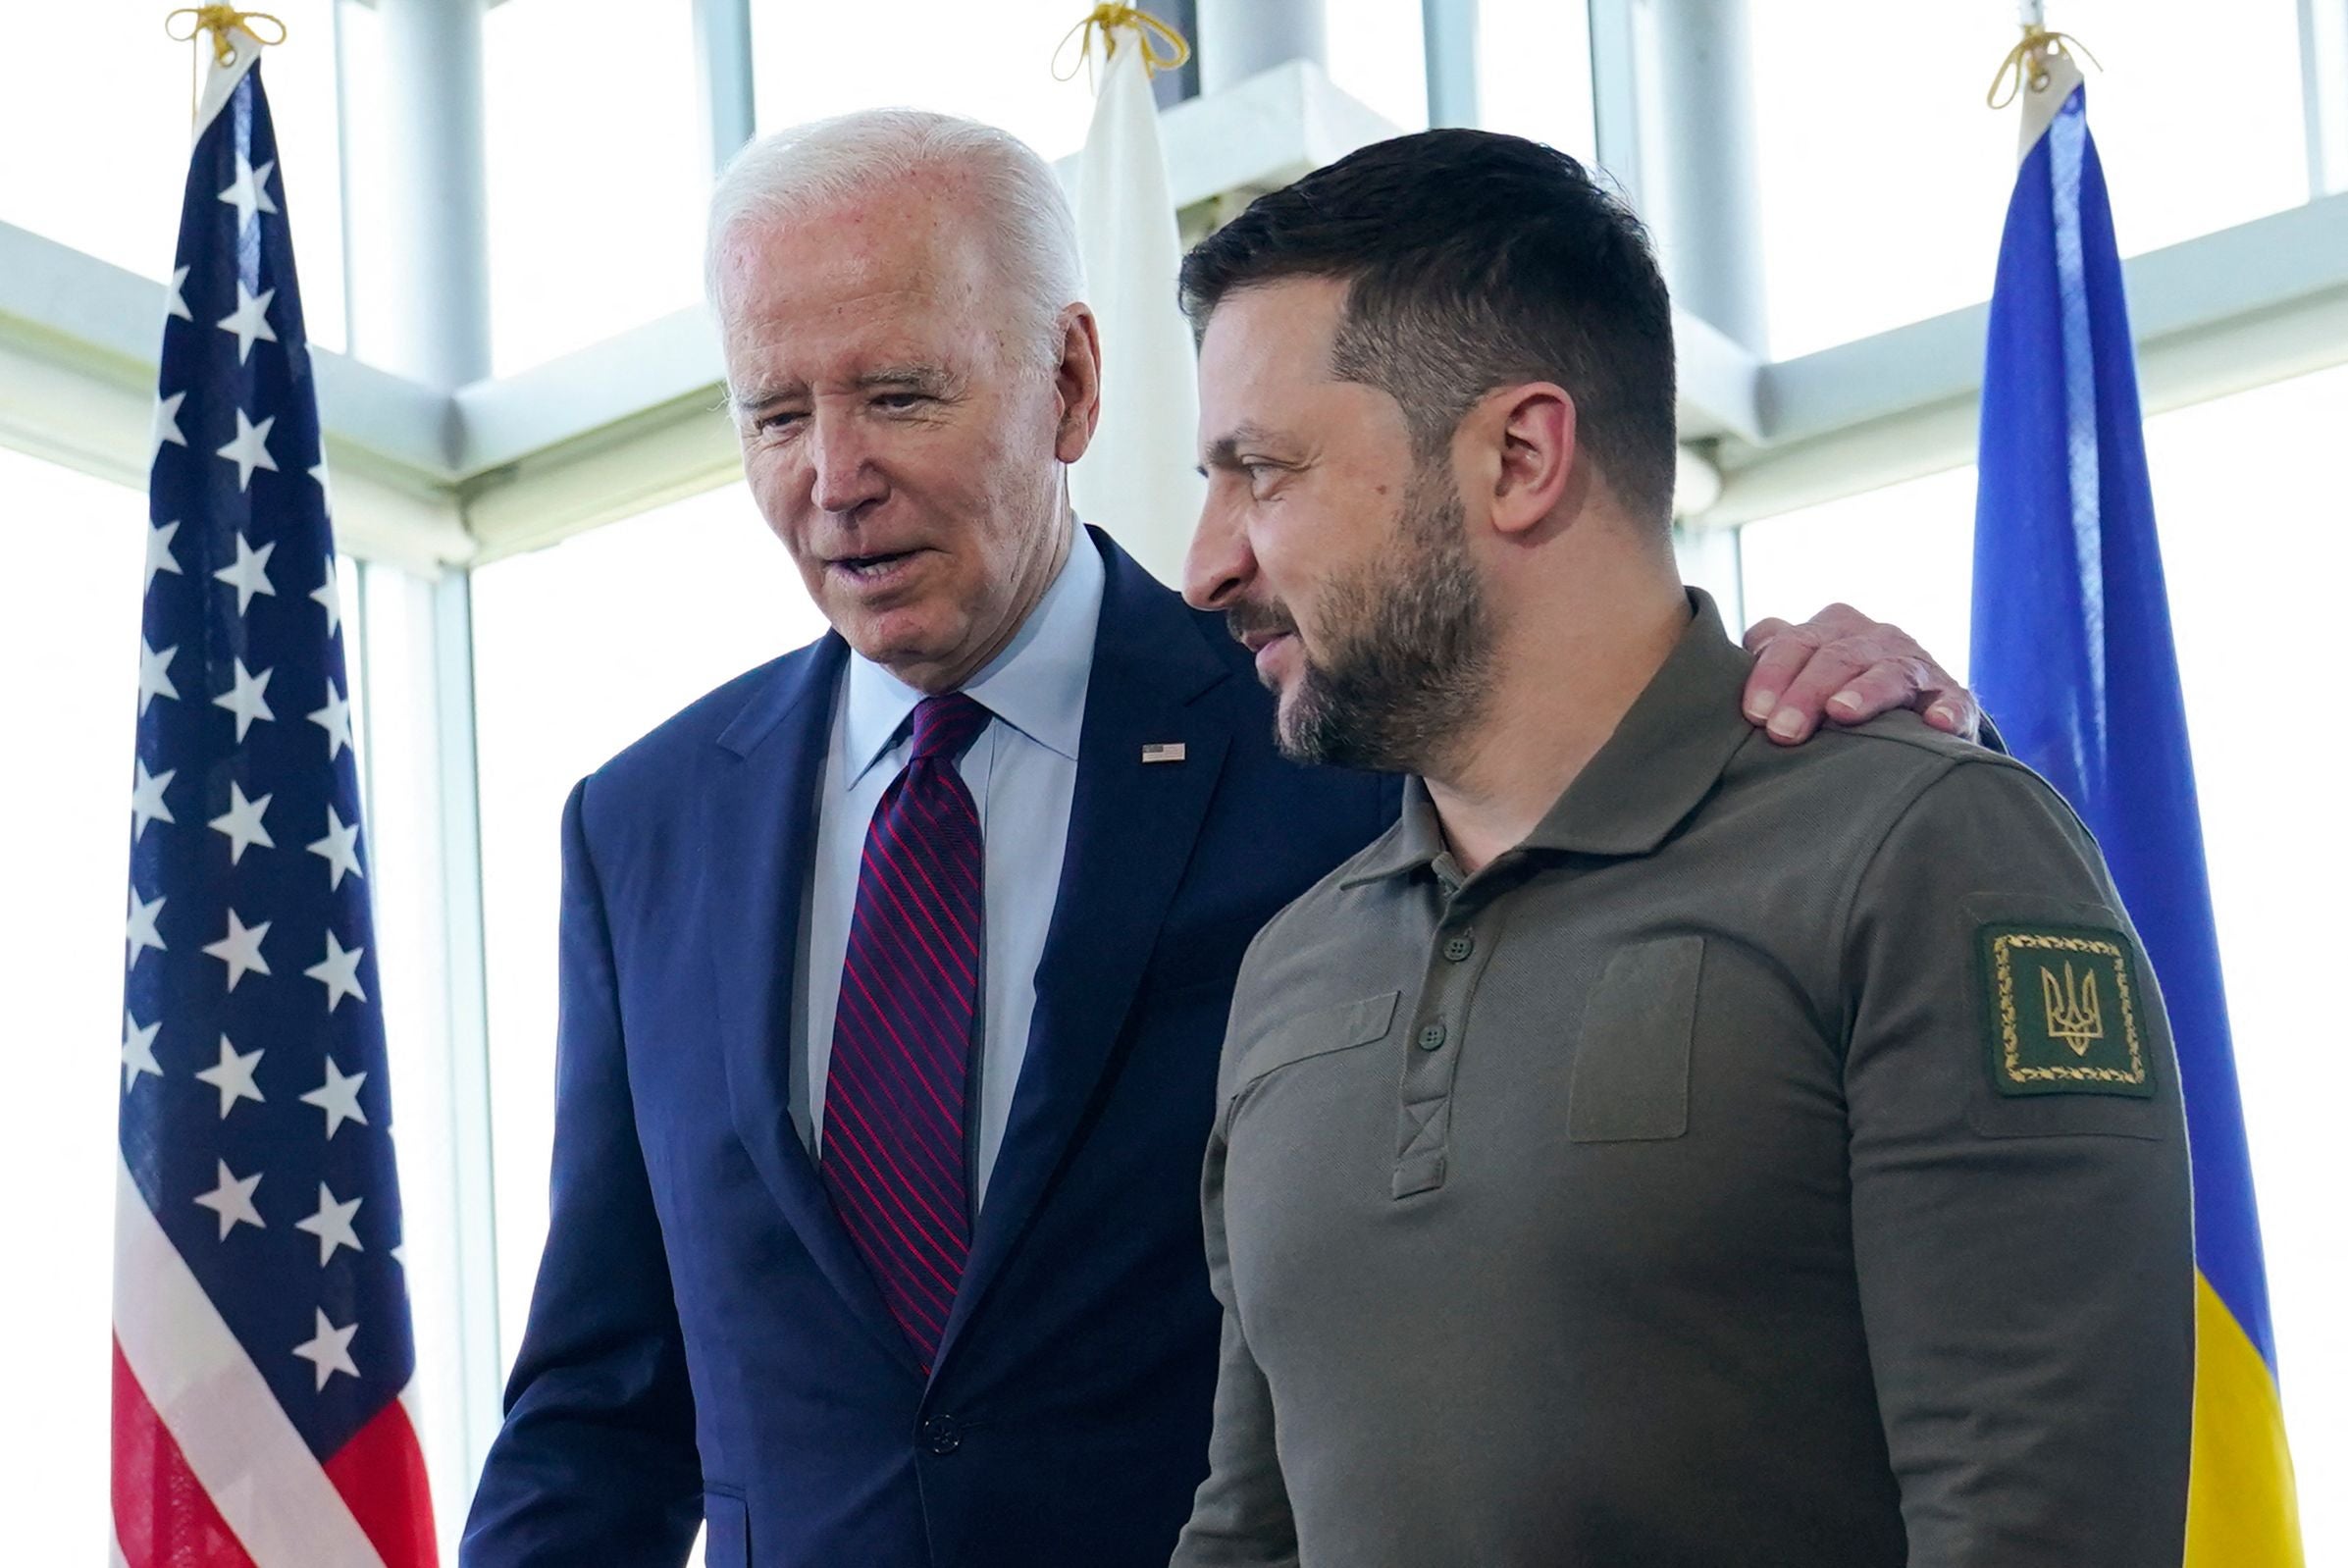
point(893, 1120)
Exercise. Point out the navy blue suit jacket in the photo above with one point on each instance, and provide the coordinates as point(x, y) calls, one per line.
point(704, 1339)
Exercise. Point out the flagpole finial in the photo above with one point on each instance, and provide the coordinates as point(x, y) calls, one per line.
point(220, 21)
point(2024, 68)
point(1163, 47)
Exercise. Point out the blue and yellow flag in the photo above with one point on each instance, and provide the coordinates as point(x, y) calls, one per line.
point(2072, 652)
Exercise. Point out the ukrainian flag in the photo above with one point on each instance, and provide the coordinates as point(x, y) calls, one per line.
point(2072, 654)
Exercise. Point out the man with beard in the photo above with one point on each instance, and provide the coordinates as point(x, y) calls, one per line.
point(1659, 1147)
point(894, 971)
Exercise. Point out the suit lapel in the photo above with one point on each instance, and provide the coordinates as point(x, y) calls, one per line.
point(758, 836)
point(1130, 830)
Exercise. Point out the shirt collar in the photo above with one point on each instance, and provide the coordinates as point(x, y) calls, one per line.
point(1036, 685)
point(1661, 761)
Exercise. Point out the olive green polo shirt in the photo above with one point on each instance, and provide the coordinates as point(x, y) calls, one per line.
point(1776, 1158)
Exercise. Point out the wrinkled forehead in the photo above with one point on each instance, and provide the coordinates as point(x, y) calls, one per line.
point(907, 238)
point(855, 277)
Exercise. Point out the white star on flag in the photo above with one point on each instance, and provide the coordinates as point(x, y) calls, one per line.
point(250, 449)
point(154, 674)
point(339, 848)
point(330, 1225)
point(240, 949)
point(166, 431)
point(251, 319)
point(339, 1098)
point(138, 1050)
point(329, 1350)
point(247, 701)
point(233, 1077)
point(330, 594)
point(334, 719)
point(249, 191)
point(250, 573)
point(159, 555)
point(233, 1200)
point(177, 305)
point(146, 798)
point(141, 934)
point(241, 822)
point(326, 499)
point(339, 973)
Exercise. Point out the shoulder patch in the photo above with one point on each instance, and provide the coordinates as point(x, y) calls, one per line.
point(2063, 1010)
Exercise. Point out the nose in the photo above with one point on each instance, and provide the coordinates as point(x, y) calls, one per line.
point(1220, 562)
point(843, 474)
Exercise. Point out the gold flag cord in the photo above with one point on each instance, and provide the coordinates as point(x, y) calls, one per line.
point(1163, 48)
point(217, 21)
point(2024, 67)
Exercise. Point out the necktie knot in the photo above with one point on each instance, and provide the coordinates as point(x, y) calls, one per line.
point(945, 727)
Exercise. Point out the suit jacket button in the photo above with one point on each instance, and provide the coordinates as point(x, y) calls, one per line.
point(939, 1436)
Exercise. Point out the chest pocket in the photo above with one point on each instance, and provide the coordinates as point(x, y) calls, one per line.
point(1318, 1033)
point(1637, 1031)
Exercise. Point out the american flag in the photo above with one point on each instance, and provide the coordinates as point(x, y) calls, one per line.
point(262, 1352)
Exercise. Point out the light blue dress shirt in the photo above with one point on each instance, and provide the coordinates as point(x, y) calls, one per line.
point(1022, 771)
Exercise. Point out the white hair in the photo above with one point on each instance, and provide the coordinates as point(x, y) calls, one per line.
point(787, 174)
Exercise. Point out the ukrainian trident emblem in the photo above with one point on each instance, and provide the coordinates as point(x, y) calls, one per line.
point(2074, 1010)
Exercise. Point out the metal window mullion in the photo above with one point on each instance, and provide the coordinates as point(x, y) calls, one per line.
point(2324, 78)
point(342, 45)
point(1614, 91)
point(466, 999)
point(1451, 89)
point(721, 39)
point(426, 318)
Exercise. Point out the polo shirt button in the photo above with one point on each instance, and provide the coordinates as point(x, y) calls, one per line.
point(1459, 947)
point(939, 1436)
point(1431, 1038)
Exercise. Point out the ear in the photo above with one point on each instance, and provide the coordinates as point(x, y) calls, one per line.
point(1076, 382)
point(1534, 427)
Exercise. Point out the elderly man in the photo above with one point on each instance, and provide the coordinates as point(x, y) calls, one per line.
point(1657, 1148)
point(894, 973)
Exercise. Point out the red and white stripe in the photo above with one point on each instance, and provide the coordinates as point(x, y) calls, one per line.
point(208, 1471)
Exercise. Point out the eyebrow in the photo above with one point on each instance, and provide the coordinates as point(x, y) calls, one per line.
point(1223, 451)
point(933, 379)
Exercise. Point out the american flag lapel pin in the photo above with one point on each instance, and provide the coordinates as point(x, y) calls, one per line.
point(1164, 752)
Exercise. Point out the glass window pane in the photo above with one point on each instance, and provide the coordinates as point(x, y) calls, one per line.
point(102, 168)
point(984, 62)
point(1884, 179)
point(1533, 73)
point(81, 540)
point(2253, 539)
point(577, 650)
point(597, 171)
point(1903, 554)
point(1378, 52)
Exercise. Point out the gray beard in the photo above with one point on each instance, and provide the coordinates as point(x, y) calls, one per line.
point(1411, 655)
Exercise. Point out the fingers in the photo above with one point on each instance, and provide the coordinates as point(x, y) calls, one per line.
point(1781, 650)
point(1828, 677)
point(1842, 667)
point(1879, 688)
point(1953, 708)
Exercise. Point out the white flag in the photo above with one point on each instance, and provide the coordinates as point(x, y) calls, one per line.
point(1140, 480)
